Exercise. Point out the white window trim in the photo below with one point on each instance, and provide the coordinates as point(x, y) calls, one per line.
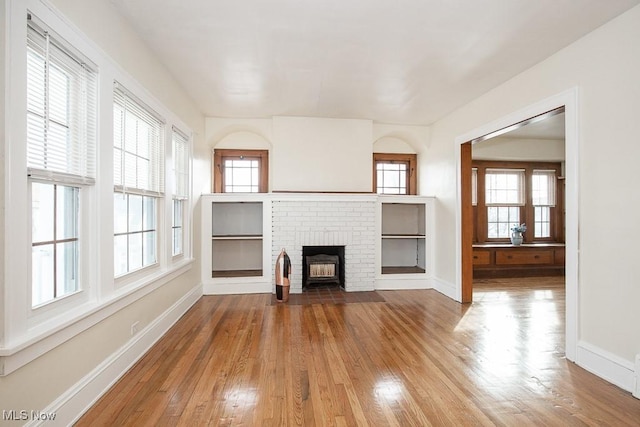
point(27, 333)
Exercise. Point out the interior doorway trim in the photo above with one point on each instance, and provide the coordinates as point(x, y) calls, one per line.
point(569, 100)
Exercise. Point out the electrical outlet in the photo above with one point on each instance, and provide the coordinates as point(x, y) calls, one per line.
point(134, 328)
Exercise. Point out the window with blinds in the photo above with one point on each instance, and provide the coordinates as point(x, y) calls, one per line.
point(61, 110)
point(181, 192)
point(504, 187)
point(138, 174)
point(543, 193)
point(61, 158)
point(504, 194)
point(180, 164)
point(138, 150)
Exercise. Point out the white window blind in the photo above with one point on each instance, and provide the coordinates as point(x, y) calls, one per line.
point(181, 164)
point(138, 151)
point(504, 187)
point(61, 110)
point(543, 187)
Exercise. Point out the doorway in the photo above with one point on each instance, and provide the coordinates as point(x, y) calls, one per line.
point(568, 101)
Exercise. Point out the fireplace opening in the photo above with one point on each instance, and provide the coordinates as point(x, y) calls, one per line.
point(322, 265)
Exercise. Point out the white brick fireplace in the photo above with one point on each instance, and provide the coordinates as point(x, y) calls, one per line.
point(328, 220)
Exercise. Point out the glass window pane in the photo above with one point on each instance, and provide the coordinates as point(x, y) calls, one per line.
point(42, 278)
point(149, 209)
point(120, 255)
point(135, 251)
point(492, 230)
point(392, 179)
point(135, 213)
point(149, 248)
point(241, 176)
point(66, 268)
point(500, 219)
point(120, 219)
point(67, 212)
point(42, 212)
point(177, 241)
point(177, 213)
point(492, 214)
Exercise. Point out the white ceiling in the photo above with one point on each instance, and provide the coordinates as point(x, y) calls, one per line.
point(402, 62)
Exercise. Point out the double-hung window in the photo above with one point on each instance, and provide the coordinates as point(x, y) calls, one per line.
point(508, 193)
point(543, 191)
point(181, 192)
point(504, 196)
point(138, 155)
point(61, 141)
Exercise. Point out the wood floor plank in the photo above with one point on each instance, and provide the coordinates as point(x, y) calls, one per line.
point(397, 358)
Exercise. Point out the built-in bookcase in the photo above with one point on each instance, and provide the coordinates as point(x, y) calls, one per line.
point(236, 239)
point(403, 238)
point(236, 246)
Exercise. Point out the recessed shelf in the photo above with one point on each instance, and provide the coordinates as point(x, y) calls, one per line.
point(236, 273)
point(403, 238)
point(238, 237)
point(402, 270)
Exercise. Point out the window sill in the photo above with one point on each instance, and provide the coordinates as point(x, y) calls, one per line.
point(524, 245)
point(37, 341)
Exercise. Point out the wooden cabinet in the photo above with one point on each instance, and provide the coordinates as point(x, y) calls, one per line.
point(504, 260)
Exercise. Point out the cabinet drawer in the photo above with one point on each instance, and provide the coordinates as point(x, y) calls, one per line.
point(481, 257)
point(524, 257)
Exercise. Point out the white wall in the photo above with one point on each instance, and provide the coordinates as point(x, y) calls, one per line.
point(45, 379)
point(300, 148)
point(604, 66)
point(317, 154)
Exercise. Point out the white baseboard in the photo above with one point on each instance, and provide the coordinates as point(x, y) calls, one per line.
point(445, 288)
point(607, 366)
point(70, 406)
point(235, 286)
point(398, 282)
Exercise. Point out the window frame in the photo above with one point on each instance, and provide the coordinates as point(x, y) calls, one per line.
point(152, 185)
point(527, 211)
point(220, 155)
point(409, 159)
point(180, 148)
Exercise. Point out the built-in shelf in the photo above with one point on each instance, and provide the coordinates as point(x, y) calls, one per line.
point(237, 237)
point(403, 245)
point(236, 273)
point(237, 248)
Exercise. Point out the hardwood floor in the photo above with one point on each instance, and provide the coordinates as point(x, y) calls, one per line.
point(403, 358)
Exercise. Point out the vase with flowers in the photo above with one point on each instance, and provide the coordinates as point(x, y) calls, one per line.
point(516, 234)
